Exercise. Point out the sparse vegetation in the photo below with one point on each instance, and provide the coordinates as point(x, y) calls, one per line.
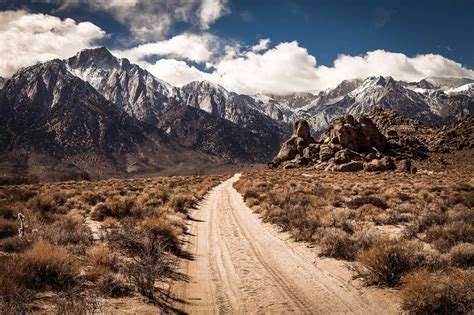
point(449, 292)
point(410, 231)
point(139, 223)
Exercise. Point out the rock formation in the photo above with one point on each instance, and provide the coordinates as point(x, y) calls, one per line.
point(349, 145)
point(409, 137)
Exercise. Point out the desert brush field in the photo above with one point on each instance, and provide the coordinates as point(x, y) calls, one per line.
point(411, 232)
point(78, 247)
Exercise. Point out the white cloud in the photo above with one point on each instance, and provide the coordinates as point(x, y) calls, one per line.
point(288, 68)
point(211, 10)
point(397, 65)
point(152, 20)
point(262, 45)
point(283, 69)
point(197, 48)
point(177, 72)
point(28, 38)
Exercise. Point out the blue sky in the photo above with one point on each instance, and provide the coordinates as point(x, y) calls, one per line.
point(321, 31)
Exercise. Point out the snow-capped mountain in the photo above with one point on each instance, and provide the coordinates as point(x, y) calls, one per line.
point(2, 82)
point(98, 113)
point(432, 100)
point(137, 91)
point(46, 108)
point(96, 104)
point(242, 110)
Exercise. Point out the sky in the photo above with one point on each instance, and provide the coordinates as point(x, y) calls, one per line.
point(249, 46)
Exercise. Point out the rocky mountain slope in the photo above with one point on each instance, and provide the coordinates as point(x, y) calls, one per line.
point(419, 138)
point(199, 130)
point(130, 87)
point(46, 108)
point(98, 113)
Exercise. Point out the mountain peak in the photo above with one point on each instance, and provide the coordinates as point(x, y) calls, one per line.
point(100, 57)
point(205, 85)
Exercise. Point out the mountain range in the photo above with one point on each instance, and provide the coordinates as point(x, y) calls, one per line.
point(107, 116)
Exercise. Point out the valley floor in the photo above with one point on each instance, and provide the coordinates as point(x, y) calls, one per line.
point(243, 265)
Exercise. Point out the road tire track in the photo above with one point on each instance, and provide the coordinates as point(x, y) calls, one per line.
point(242, 265)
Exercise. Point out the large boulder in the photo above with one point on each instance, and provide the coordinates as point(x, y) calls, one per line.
point(299, 140)
point(325, 152)
point(379, 165)
point(287, 152)
point(353, 166)
point(346, 155)
point(359, 135)
point(311, 151)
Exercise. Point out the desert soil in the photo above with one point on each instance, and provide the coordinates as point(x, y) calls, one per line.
point(242, 265)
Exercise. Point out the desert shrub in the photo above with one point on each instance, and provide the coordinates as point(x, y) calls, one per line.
point(15, 297)
point(337, 244)
point(44, 203)
point(45, 266)
point(250, 194)
point(368, 210)
point(77, 302)
point(252, 202)
point(360, 201)
point(14, 244)
point(446, 236)
point(461, 213)
point(150, 260)
point(66, 231)
point(462, 255)
point(116, 206)
point(168, 231)
point(387, 261)
point(102, 260)
point(464, 197)
point(92, 198)
point(181, 201)
point(427, 219)
point(8, 213)
point(19, 193)
point(112, 286)
point(449, 292)
point(7, 228)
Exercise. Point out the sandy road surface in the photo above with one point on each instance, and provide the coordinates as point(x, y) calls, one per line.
point(242, 265)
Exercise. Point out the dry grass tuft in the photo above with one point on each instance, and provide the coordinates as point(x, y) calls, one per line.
point(387, 261)
point(449, 292)
point(462, 255)
point(46, 266)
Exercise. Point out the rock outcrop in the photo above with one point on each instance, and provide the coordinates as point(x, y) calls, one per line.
point(295, 146)
point(349, 145)
point(409, 137)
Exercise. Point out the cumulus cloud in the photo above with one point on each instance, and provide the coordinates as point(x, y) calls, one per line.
point(383, 63)
point(211, 10)
point(289, 68)
point(177, 72)
point(28, 38)
point(152, 20)
point(284, 69)
point(262, 45)
point(196, 48)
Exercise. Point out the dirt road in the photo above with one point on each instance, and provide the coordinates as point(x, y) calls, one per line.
point(242, 265)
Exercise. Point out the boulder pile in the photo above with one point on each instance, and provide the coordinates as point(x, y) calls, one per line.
point(349, 145)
